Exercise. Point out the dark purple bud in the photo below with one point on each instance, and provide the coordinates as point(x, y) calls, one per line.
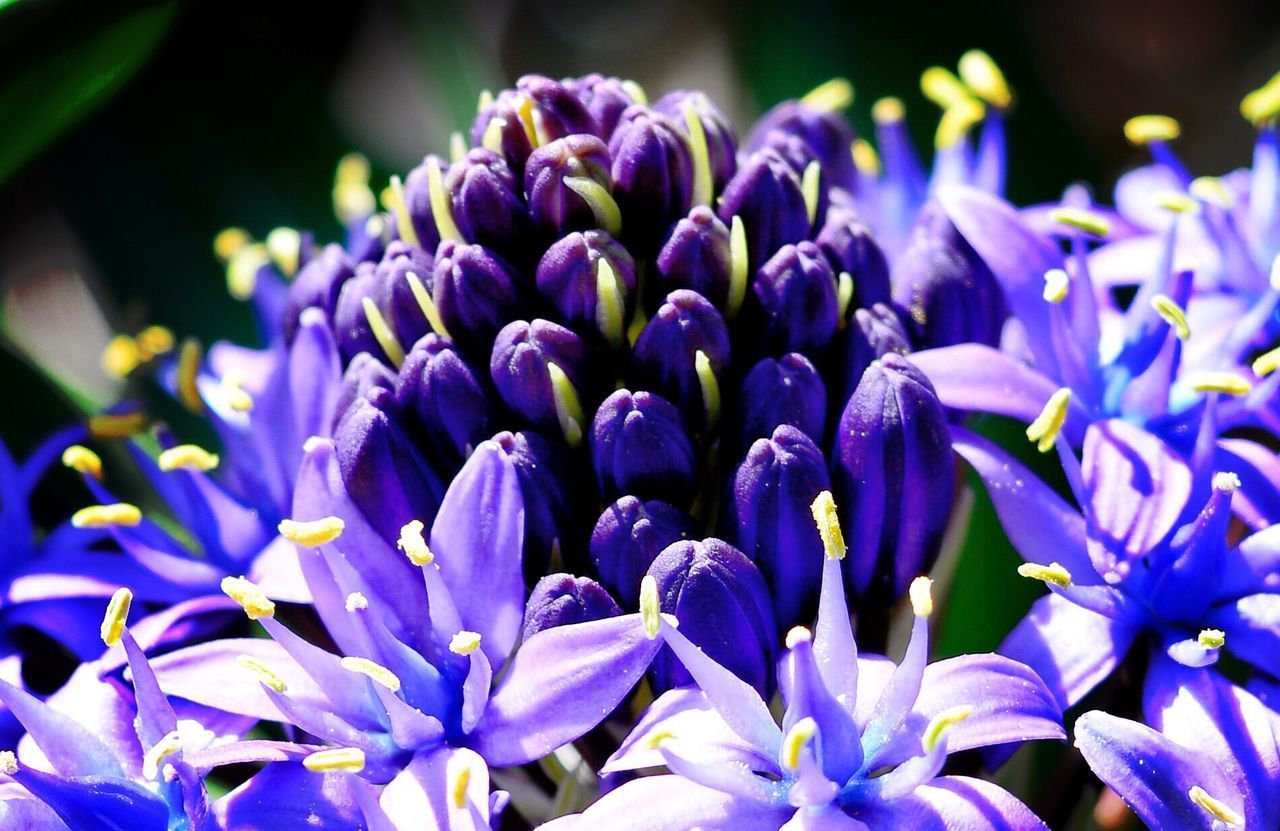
point(536, 112)
point(795, 298)
point(562, 599)
point(364, 374)
point(317, 285)
point(366, 239)
point(824, 132)
point(652, 174)
point(543, 372)
point(405, 313)
point(639, 446)
point(851, 249)
point(453, 409)
point(381, 467)
point(873, 333)
point(421, 228)
point(567, 186)
point(683, 354)
point(771, 520)
point(766, 194)
point(696, 256)
point(590, 279)
point(487, 200)
point(557, 112)
point(800, 157)
point(894, 478)
point(628, 538)
point(476, 293)
point(605, 98)
point(786, 390)
point(722, 603)
point(351, 320)
point(950, 294)
point(722, 141)
point(552, 528)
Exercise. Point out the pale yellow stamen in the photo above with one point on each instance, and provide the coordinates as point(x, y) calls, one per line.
point(1212, 638)
point(1045, 429)
point(428, 306)
point(981, 75)
point(798, 635)
point(485, 100)
point(1213, 190)
point(82, 460)
point(464, 643)
point(382, 332)
point(941, 722)
point(400, 209)
point(844, 295)
point(943, 88)
point(457, 147)
point(374, 671)
point(865, 157)
point(700, 155)
point(659, 737)
point(1179, 203)
point(830, 96)
point(1262, 105)
point(458, 774)
point(413, 544)
point(441, 210)
point(650, 609)
point(921, 594)
point(251, 598)
point(568, 406)
point(187, 457)
point(811, 187)
point(117, 614)
point(242, 270)
point(1227, 383)
point(1082, 220)
point(1214, 807)
point(492, 138)
point(797, 738)
point(119, 514)
point(738, 262)
point(956, 122)
point(154, 340)
point(710, 387)
point(828, 521)
point(312, 533)
point(1226, 481)
point(117, 425)
point(8, 763)
point(228, 241)
point(285, 247)
point(1172, 314)
point(238, 398)
point(168, 745)
point(599, 200)
point(635, 91)
point(1053, 573)
point(609, 303)
point(120, 357)
point(264, 673)
point(344, 759)
point(189, 358)
point(353, 199)
point(888, 110)
point(1056, 285)
point(524, 113)
point(1145, 129)
point(1267, 363)
point(356, 602)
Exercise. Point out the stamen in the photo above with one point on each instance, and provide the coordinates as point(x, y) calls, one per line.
point(441, 210)
point(485, 101)
point(382, 332)
point(228, 241)
point(1212, 638)
point(943, 88)
point(865, 157)
point(1054, 573)
point(956, 122)
point(458, 774)
point(413, 545)
point(888, 110)
point(457, 147)
point(636, 92)
point(189, 358)
point(738, 262)
point(844, 295)
point(1056, 284)
point(700, 155)
point(830, 96)
point(981, 75)
point(1179, 203)
point(352, 168)
point(599, 200)
point(284, 245)
point(117, 614)
point(265, 673)
point(568, 405)
point(1227, 383)
point(1216, 808)
point(356, 602)
point(659, 737)
point(524, 112)
point(1226, 482)
point(939, 724)
point(492, 138)
point(120, 357)
point(1267, 363)
point(1045, 429)
point(353, 199)
point(119, 514)
point(242, 270)
point(344, 759)
point(238, 398)
point(83, 460)
point(1213, 190)
point(1172, 314)
point(154, 340)
point(810, 186)
point(710, 387)
point(609, 303)
point(251, 598)
point(313, 533)
point(650, 609)
point(375, 672)
point(827, 519)
point(426, 304)
point(798, 635)
point(8, 763)
point(1274, 279)
point(400, 209)
point(464, 643)
point(168, 745)
point(921, 594)
point(117, 425)
point(1145, 129)
point(1263, 104)
point(797, 738)
point(1082, 220)
point(187, 457)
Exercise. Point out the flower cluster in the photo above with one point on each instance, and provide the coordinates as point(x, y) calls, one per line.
point(559, 479)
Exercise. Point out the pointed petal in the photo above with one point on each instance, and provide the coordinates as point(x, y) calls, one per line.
point(1258, 499)
point(672, 803)
point(287, 795)
point(70, 748)
point(1252, 624)
point(155, 715)
point(953, 803)
point(97, 802)
point(833, 643)
point(419, 797)
point(807, 696)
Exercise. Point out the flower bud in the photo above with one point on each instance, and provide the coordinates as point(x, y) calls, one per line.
point(825, 133)
point(665, 356)
point(590, 279)
point(405, 315)
point(639, 446)
point(723, 606)
point(851, 249)
point(696, 256)
point(948, 290)
point(652, 174)
point(536, 112)
point(417, 204)
point(795, 298)
point(800, 157)
point(605, 98)
point(364, 374)
point(873, 333)
point(722, 141)
point(629, 535)
point(562, 599)
point(771, 522)
point(521, 367)
point(786, 390)
point(552, 527)
point(766, 193)
point(351, 326)
point(476, 293)
point(453, 409)
point(893, 477)
point(554, 206)
point(317, 285)
point(487, 200)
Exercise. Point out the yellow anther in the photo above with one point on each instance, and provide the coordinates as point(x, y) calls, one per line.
point(635, 92)
point(121, 356)
point(243, 267)
point(187, 457)
point(599, 200)
point(941, 722)
point(426, 304)
point(117, 425)
point(8, 763)
point(1145, 129)
point(464, 643)
point(888, 110)
point(119, 514)
point(485, 100)
point(1056, 285)
point(353, 199)
point(82, 460)
point(658, 738)
point(921, 593)
point(981, 75)
point(238, 398)
point(650, 608)
point(1263, 104)
point(710, 386)
point(610, 307)
point(264, 673)
point(1267, 363)
point(844, 295)
point(189, 359)
point(353, 168)
point(1212, 638)
point(168, 745)
point(1227, 383)
point(116, 616)
point(1179, 203)
point(524, 114)
point(343, 759)
point(811, 187)
point(1214, 807)
point(1172, 314)
point(284, 245)
point(1045, 429)
point(458, 775)
point(382, 332)
point(1082, 220)
point(374, 671)
point(830, 96)
point(797, 738)
point(492, 139)
point(956, 122)
point(154, 340)
point(228, 241)
point(1053, 573)
point(441, 209)
point(251, 598)
point(356, 602)
point(413, 544)
point(827, 519)
point(943, 88)
point(865, 157)
point(568, 406)
point(1213, 190)
point(1225, 481)
point(400, 209)
point(457, 147)
point(738, 263)
point(798, 635)
point(312, 533)
point(700, 155)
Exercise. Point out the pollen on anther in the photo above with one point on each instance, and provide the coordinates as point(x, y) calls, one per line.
point(313, 533)
point(82, 460)
point(921, 594)
point(464, 643)
point(345, 759)
point(413, 544)
point(252, 599)
point(187, 457)
point(117, 614)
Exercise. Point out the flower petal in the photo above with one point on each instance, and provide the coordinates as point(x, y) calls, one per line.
point(672, 803)
point(287, 795)
point(953, 803)
point(420, 796)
